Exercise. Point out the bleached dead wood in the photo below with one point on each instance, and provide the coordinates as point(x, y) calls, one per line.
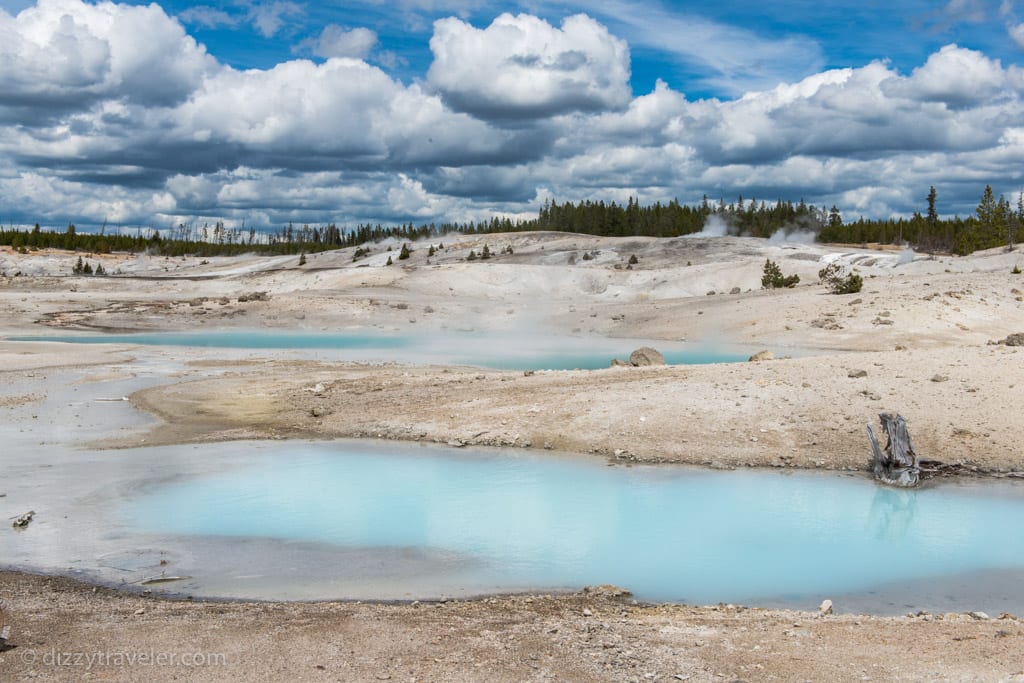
point(898, 464)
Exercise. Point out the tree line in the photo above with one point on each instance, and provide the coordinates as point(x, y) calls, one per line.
point(995, 223)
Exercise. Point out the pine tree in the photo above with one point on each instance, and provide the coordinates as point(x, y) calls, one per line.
point(933, 216)
point(835, 219)
point(993, 215)
point(404, 254)
point(79, 267)
point(774, 279)
point(302, 258)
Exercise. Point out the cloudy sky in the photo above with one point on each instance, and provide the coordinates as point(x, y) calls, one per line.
point(455, 110)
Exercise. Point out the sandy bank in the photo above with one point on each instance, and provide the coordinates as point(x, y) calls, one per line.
point(800, 412)
point(585, 637)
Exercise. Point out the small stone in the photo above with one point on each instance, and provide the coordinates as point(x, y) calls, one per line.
point(587, 612)
point(140, 612)
point(940, 378)
point(857, 374)
point(761, 356)
point(22, 521)
point(981, 616)
point(607, 590)
point(825, 607)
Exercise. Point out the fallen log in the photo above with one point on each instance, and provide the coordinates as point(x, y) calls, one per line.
point(898, 464)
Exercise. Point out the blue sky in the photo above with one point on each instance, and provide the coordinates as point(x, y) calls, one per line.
point(435, 110)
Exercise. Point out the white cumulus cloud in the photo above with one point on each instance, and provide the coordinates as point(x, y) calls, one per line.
point(523, 67)
point(69, 53)
point(955, 76)
point(337, 41)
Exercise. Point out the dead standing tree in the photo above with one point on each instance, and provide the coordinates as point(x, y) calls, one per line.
point(898, 465)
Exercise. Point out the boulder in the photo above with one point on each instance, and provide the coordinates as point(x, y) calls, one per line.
point(645, 355)
point(617, 363)
point(760, 356)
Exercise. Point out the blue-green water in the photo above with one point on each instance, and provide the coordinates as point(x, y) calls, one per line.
point(490, 350)
point(521, 521)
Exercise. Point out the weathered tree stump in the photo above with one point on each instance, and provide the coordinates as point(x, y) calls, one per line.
point(5, 627)
point(898, 465)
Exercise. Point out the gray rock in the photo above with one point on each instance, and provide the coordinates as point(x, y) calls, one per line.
point(940, 378)
point(23, 521)
point(607, 590)
point(857, 374)
point(617, 363)
point(760, 356)
point(825, 607)
point(1016, 339)
point(645, 355)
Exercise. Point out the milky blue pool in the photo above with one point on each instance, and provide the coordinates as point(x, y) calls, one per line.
point(508, 520)
point(490, 350)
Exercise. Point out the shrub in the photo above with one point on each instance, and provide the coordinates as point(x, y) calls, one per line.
point(835, 277)
point(774, 279)
point(1016, 270)
point(486, 253)
point(633, 260)
point(430, 252)
point(302, 259)
point(389, 261)
point(472, 256)
point(404, 254)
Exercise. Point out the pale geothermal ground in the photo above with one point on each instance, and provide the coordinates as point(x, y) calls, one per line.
point(920, 339)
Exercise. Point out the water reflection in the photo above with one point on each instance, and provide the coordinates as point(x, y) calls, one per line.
point(892, 513)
